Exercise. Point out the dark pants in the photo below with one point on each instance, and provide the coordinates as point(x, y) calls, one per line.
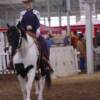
point(82, 63)
point(44, 47)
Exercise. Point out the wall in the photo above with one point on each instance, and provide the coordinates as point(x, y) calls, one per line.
point(64, 61)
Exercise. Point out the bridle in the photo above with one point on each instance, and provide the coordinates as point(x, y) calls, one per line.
point(20, 40)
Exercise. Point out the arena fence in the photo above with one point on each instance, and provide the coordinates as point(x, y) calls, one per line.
point(4, 61)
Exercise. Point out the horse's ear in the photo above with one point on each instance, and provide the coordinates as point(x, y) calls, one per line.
point(19, 25)
point(8, 25)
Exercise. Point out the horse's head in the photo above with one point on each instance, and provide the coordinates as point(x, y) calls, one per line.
point(14, 36)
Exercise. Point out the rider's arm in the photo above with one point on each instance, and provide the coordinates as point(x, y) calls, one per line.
point(38, 19)
point(21, 15)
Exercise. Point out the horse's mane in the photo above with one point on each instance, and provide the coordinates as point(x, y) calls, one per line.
point(15, 32)
point(23, 32)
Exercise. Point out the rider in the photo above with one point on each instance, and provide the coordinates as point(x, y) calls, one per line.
point(29, 20)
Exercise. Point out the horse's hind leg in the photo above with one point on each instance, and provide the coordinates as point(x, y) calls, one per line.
point(41, 88)
point(23, 86)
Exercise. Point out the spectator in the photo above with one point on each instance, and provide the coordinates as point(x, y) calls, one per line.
point(98, 38)
point(66, 40)
point(74, 39)
point(50, 41)
point(82, 49)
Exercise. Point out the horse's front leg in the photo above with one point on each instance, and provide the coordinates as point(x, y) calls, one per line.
point(22, 82)
point(31, 77)
point(36, 87)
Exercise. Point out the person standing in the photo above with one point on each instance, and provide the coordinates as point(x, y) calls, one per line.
point(98, 38)
point(82, 49)
point(50, 40)
point(74, 39)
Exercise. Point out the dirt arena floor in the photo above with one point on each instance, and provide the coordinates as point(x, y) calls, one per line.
point(79, 87)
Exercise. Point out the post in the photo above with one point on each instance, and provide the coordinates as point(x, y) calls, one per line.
point(78, 17)
point(59, 14)
point(68, 18)
point(89, 41)
point(68, 22)
point(44, 21)
point(48, 10)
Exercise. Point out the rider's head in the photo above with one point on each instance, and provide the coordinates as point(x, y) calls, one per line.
point(28, 4)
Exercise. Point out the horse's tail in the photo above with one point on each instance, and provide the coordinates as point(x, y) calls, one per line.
point(48, 80)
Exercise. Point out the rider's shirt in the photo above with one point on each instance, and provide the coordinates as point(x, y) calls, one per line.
point(30, 19)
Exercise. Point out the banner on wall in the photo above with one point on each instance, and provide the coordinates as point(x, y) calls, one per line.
point(83, 4)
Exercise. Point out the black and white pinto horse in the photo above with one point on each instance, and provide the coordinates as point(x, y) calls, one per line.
point(25, 57)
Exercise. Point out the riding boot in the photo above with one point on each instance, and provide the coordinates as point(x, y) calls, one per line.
point(49, 65)
point(50, 68)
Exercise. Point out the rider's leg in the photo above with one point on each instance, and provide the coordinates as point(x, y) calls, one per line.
point(42, 45)
point(48, 64)
point(45, 51)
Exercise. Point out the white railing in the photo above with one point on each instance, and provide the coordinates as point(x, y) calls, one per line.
point(4, 61)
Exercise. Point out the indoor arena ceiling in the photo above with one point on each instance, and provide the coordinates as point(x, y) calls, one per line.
point(41, 5)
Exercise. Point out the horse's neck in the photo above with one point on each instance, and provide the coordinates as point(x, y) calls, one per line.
point(28, 52)
point(27, 43)
point(27, 46)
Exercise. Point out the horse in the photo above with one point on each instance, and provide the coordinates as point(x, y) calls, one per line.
point(28, 67)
